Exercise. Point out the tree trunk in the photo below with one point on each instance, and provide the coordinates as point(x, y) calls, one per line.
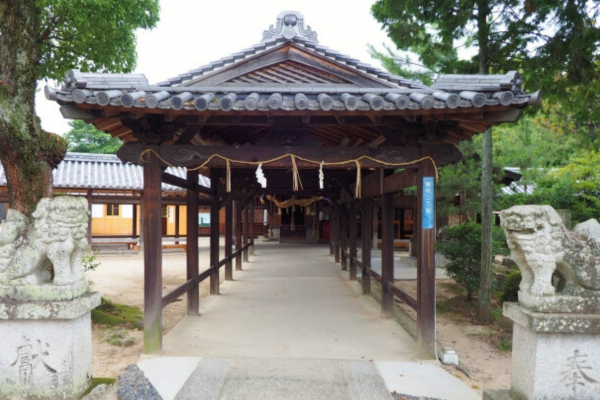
point(484, 310)
point(27, 153)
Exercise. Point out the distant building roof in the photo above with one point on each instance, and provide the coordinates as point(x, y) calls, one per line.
point(104, 171)
point(516, 186)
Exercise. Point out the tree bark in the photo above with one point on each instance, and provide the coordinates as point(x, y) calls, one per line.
point(28, 154)
point(484, 309)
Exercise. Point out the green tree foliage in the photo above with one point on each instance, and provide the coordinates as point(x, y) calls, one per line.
point(462, 246)
point(574, 186)
point(555, 38)
point(85, 138)
point(43, 39)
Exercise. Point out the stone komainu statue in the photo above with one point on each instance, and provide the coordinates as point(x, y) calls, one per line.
point(542, 246)
point(57, 239)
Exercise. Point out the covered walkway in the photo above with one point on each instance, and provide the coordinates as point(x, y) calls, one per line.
point(293, 326)
point(290, 301)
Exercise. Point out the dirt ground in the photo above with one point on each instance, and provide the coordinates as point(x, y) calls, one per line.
point(480, 356)
point(120, 279)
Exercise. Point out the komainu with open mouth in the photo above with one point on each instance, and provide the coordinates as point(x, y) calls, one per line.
point(542, 246)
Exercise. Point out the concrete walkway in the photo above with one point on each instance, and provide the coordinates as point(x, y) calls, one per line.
point(292, 326)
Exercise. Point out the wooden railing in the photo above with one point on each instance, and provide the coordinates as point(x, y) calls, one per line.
point(395, 290)
point(187, 286)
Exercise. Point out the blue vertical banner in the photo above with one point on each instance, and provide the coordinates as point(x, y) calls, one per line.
point(428, 208)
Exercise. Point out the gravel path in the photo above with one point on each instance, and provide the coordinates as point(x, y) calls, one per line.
point(133, 385)
point(399, 396)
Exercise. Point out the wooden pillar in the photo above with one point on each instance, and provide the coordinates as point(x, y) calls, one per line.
point(331, 230)
point(353, 233)
point(246, 230)
point(238, 234)
point(367, 214)
point(89, 229)
point(387, 254)
point(228, 240)
point(177, 224)
point(193, 296)
point(251, 207)
point(134, 224)
point(375, 220)
point(426, 259)
point(337, 235)
point(402, 234)
point(152, 231)
point(214, 230)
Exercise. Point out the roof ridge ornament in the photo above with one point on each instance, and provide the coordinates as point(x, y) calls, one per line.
point(290, 24)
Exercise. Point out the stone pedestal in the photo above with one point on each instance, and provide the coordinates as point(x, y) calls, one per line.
point(46, 350)
point(555, 356)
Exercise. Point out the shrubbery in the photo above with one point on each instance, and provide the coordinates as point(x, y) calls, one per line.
point(510, 287)
point(462, 246)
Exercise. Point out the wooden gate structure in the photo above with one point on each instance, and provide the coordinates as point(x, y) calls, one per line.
point(314, 122)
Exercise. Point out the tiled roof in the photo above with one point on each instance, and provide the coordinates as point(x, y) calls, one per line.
point(104, 171)
point(289, 87)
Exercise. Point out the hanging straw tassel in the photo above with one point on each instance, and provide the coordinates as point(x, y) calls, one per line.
point(228, 178)
point(358, 189)
point(321, 176)
point(297, 180)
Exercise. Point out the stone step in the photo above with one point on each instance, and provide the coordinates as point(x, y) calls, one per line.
point(266, 379)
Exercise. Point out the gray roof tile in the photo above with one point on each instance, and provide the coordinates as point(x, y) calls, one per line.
point(89, 85)
point(104, 171)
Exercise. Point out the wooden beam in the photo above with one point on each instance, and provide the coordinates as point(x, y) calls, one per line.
point(215, 174)
point(402, 295)
point(192, 156)
point(394, 137)
point(179, 291)
point(387, 254)
point(372, 184)
point(366, 218)
point(426, 261)
point(152, 228)
point(177, 181)
point(192, 262)
point(186, 184)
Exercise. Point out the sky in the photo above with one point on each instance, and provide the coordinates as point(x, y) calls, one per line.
point(192, 33)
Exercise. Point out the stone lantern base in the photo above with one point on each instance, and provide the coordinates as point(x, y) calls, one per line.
point(555, 356)
point(46, 350)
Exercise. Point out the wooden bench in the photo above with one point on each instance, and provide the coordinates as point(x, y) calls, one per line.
point(131, 245)
point(175, 246)
point(169, 246)
point(398, 245)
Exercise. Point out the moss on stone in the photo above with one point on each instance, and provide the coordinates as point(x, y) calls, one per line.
point(114, 314)
point(99, 381)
